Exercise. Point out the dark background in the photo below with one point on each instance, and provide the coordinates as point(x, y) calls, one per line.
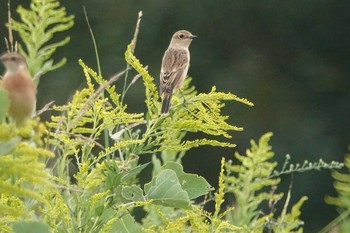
point(291, 58)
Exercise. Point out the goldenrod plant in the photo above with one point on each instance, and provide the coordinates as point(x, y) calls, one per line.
point(24, 180)
point(37, 28)
point(79, 172)
point(252, 183)
point(342, 201)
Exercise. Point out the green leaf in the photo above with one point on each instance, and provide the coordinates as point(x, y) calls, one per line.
point(126, 224)
point(4, 103)
point(165, 189)
point(157, 165)
point(133, 193)
point(37, 28)
point(193, 184)
point(30, 227)
point(7, 146)
point(99, 210)
point(132, 173)
point(159, 122)
point(112, 175)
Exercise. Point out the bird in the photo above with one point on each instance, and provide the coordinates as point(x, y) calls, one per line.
point(175, 64)
point(20, 87)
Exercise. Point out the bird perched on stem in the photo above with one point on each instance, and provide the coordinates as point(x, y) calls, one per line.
point(176, 61)
point(19, 86)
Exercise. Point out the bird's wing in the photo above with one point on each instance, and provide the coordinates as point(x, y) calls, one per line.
point(174, 63)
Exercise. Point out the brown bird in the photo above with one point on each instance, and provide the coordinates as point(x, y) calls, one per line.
point(175, 64)
point(19, 86)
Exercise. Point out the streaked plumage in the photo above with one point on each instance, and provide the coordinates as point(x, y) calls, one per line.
point(175, 64)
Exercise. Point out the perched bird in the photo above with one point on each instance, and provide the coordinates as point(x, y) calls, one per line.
point(176, 61)
point(19, 86)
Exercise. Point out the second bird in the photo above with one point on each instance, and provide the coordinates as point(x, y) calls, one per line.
point(19, 86)
point(175, 63)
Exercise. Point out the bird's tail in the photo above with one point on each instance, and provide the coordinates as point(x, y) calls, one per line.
point(166, 103)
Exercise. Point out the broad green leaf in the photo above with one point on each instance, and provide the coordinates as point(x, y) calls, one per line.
point(194, 185)
point(157, 165)
point(30, 227)
point(133, 193)
point(126, 224)
point(165, 189)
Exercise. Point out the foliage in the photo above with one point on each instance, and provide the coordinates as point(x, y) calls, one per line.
point(37, 27)
point(342, 201)
point(30, 227)
point(195, 219)
point(288, 168)
point(92, 185)
point(4, 103)
point(106, 174)
point(253, 184)
point(197, 113)
point(22, 167)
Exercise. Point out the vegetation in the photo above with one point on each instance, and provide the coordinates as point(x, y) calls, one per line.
point(79, 171)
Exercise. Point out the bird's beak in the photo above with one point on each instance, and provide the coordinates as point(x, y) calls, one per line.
point(193, 36)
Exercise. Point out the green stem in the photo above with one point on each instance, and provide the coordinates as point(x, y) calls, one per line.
point(125, 81)
point(336, 222)
point(105, 131)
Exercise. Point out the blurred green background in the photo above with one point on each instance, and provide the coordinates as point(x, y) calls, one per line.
point(291, 58)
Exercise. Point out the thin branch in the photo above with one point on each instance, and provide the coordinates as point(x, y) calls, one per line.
point(82, 137)
point(10, 27)
point(137, 29)
point(133, 46)
point(44, 109)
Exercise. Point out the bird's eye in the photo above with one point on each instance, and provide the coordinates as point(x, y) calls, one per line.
point(13, 58)
point(181, 36)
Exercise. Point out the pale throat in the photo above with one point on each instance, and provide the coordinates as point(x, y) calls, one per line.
point(15, 68)
point(180, 44)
